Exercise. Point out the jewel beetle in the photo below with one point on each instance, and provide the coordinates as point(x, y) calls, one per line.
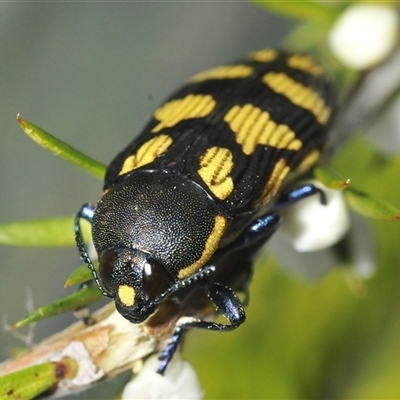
point(190, 200)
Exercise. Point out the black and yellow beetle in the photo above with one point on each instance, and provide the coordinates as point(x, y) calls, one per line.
point(190, 200)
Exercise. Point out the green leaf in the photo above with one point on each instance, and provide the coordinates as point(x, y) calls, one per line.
point(30, 382)
point(63, 150)
point(358, 158)
point(315, 11)
point(51, 232)
point(72, 302)
point(81, 274)
point(371, 171)
point(370, 206)
point(331, 179)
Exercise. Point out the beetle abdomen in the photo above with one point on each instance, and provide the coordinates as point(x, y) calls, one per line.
point(238, 130)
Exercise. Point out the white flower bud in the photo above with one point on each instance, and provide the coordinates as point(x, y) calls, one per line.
point(312, 226)
point(364, 35)
point(178, 382)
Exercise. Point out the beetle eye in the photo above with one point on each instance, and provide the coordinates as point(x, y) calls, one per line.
point(106, 268)
point(156, 279)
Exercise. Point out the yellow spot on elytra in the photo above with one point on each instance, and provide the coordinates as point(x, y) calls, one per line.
point(192, 106)
point(127, 295)
point(298, 94)
point(253, 126)
point(216, 165)
point(146, 153)
point(309, 161)
point(304, 63)
point(224, 72)
point(210, 246)
point(281, 169)
point(265, 55)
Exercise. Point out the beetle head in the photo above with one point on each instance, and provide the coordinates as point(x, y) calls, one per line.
point(134, 280)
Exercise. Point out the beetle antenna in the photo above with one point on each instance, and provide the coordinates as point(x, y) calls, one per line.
point(208, 269)
point(86, 213)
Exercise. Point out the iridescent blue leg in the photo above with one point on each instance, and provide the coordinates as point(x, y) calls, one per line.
point(299, 193)
point(227, 303)
point(258, 232)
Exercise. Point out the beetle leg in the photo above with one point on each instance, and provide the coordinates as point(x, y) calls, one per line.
point(255, 235)
point(170, 349)
point(299, 193)
point(260, 230)
point(229, 304)
point(226, 301)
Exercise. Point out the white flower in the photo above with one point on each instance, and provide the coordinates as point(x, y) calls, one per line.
point(364, 34)
point(179, 381)
point(312, 226)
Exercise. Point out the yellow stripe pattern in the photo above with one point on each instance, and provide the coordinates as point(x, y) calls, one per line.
point(281, 169)
point(175, 111)
point(253, 126)
point(211, 245)
point(305, 64)
point(146, 153)
point(265, 55)
point(216, 165)
point(309, 160)
point(224, 72)
point(298, 94)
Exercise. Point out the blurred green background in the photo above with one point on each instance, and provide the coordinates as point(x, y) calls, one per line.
point(91, 74)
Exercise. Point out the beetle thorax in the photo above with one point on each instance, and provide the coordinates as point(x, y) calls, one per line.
point(162, 214)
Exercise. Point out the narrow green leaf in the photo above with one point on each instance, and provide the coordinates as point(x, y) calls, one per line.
point(30, 382)
point(81, 274)
point(315, 11)
point(370, 206)
point(72, 302)
point(61, 149)
point(331, 179)
point(50, 232)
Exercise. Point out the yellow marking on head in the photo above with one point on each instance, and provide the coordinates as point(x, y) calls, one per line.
point(298, 94)
point(253, 126)
point(216, 165)
point(192, 106)
point(265, 55)
point(279, 172)
point(304, 63)
point(210, 246)
point(224, 72)
point(146, 153)
point(127, 295)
